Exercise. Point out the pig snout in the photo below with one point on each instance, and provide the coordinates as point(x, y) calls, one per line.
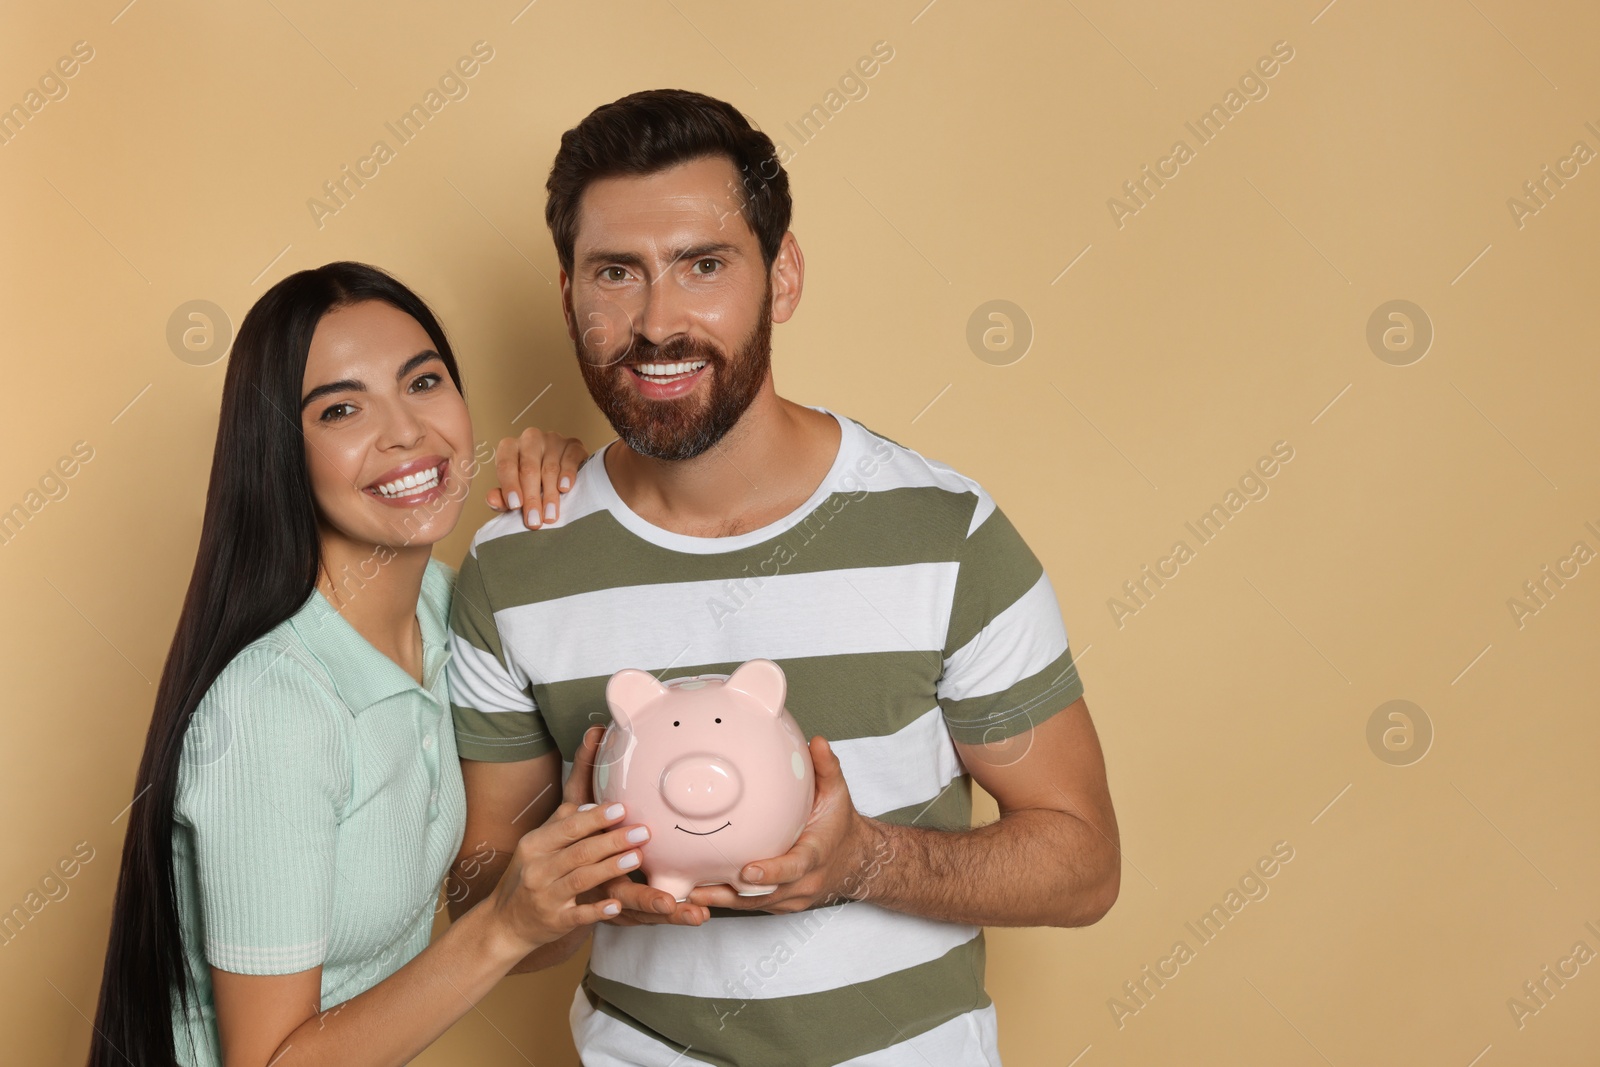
point(701, 787)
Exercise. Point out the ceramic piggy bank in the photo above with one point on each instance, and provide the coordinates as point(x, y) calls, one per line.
point(714, 765)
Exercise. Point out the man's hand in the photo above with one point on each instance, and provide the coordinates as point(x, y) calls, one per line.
point(641, 905)
point(825, 865)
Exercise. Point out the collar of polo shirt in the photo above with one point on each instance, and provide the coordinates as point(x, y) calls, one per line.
point(361, 674)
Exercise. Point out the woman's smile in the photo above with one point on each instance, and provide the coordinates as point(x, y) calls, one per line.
point(411, 483)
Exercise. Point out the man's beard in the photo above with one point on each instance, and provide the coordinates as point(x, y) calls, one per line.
point(684, 427)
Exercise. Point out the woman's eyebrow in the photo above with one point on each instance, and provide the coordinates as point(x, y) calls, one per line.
point(425, 356)
point(351, 385)
point(344, 385)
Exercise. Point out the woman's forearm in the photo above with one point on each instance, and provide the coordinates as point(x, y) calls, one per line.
point(556, 952)
point(396, 1019)
point(469, 884)
point(540, 901)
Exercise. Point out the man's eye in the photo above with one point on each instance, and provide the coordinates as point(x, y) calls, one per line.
point(702, 262)
point(425, 382)
point(608, 275)
point(337, 411)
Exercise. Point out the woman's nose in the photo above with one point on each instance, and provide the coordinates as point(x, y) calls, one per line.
point(401, 427)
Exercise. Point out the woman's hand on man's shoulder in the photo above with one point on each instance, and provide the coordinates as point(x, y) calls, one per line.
point(535, 469)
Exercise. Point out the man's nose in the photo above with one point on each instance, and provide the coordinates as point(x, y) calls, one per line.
point(665, 310)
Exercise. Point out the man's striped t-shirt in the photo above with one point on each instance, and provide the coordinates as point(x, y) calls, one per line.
point(908, 615)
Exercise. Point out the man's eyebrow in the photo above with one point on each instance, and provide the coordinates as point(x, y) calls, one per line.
point(633, 259)
point(600, 255)
point(710, 248)
point(351, 385)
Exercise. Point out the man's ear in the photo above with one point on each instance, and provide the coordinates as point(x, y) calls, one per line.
point(566, 306)
point(788, 276)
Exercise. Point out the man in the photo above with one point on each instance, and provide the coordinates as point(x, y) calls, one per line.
point(920, 637)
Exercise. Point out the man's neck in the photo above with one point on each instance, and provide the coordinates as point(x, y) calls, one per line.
point(766, 466)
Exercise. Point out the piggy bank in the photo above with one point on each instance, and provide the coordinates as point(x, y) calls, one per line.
point(714, 765)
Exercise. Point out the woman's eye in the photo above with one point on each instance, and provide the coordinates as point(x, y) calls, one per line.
point(425, 382)
point(337, 412)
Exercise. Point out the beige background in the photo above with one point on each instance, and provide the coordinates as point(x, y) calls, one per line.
point(1229, 313)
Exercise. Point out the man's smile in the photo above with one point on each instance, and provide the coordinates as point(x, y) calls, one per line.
point(662, 373)
point(667, 381)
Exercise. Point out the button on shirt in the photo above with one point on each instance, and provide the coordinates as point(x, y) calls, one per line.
point(319, 807)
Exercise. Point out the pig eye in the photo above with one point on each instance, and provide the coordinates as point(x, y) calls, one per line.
point(674, 722)
point(719, 720)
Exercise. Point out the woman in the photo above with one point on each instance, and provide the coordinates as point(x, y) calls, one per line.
point(299, 800)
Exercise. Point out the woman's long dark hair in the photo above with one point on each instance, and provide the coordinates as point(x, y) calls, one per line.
point(256, 565)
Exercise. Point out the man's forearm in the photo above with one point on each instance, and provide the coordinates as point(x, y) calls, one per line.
point(1030, 868)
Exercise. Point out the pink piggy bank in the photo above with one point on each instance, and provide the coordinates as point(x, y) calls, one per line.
point(714, 765)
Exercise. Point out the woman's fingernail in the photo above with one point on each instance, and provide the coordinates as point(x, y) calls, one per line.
point(566, 483)
point(513, 501)
point(550, 512)
point(756, 874)
point(628, 862)
point(639, 833)
point(614, 811)
point(586, 807)
point(611, 909)
point(533, 516)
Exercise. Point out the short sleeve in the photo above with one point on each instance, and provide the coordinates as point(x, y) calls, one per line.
point(1007, 664)
point(491, 702)
point(262, 783)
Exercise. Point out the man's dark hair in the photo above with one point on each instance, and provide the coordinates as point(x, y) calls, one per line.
point(650, 131)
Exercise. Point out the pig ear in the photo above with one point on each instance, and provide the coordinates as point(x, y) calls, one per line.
point(763, 680)
point(630, 690)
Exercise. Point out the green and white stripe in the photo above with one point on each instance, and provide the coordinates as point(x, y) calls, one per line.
point(908, 615)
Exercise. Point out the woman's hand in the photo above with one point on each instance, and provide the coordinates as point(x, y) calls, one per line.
point(641, 905)
point(534, 469)
point(536, 901)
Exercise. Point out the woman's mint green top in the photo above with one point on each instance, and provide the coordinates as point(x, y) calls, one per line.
point(319, 807)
